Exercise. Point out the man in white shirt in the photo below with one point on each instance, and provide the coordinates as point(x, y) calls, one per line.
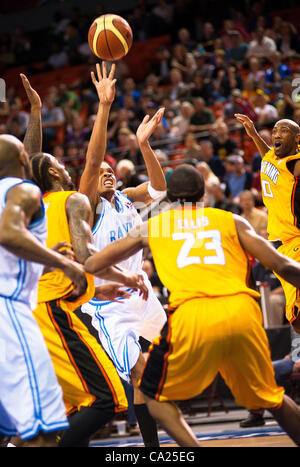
point(262, 46)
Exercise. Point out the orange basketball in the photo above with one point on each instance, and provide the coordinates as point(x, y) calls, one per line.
point(110, 37)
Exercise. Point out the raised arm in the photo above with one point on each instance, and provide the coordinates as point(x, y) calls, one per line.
point(157, 181)
point(33, 136)
point(105, 87)
point(259, 142)
point(22, 206)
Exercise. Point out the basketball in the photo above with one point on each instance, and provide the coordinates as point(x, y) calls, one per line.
point(110, 37)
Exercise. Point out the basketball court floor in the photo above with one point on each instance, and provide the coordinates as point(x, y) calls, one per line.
point(217, 430)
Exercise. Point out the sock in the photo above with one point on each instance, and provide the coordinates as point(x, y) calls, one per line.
point(83, 424)
point(147, 425)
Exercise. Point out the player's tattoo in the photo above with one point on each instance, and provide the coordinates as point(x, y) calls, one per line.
point(79, 217)
point(33, 137)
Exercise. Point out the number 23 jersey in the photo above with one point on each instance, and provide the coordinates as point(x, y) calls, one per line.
point(197, 254)
point(281, 196)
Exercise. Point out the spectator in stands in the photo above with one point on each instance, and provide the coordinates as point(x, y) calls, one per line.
point(249, 90)
point(192, 149)
point(262, 46)
point(223, 145)
point(164, 10)
point(220, 201)
point(257, 73)
point(238, 48)
point(21, 46)
point(59, 153)
point(238, 104)
point(209, 156)
point(203, 65)
point(76, 131)
point(52, 119)
point(58, 57)
point(127, 176)
point(183, 60)
point(202, 88)
point(256, 217)
point(184, 38)
point(266, 112)
point(72, 41)
point(285, 104)
point(16, 115)
point(288, 43)
point(162, 65)
point(208, 38)
point(277, 72)
point(178, 89)
point(237, 178)
point(180, 123)
point(68, 100)
point(208, 175)
point(129, 87)
point(203, 118)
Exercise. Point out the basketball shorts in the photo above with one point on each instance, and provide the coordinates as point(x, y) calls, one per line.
point(85, 372)
point(30, 396)
point(120, 324)
point(205, 336)
point(292, 294)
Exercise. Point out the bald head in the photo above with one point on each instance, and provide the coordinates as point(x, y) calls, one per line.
point(13, 157)
point(285, 137)
point(294, 127)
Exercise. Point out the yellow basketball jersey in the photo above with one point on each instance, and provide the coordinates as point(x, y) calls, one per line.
point(55, 285)
point(197, 253)
point(279, 191)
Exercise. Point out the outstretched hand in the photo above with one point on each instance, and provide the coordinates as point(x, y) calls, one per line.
point(33, 97)
point(147, 127)
point(248, 124)
point(105, 86)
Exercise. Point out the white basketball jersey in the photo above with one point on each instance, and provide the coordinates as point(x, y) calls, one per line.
point(18, 277)
point(114, 223)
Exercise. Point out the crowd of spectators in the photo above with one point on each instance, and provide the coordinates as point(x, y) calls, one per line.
point(243, 63)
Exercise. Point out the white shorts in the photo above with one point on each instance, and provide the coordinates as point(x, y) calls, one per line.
point(30, 396)
point(120, 325)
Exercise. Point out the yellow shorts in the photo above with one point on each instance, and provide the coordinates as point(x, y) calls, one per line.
point(292, 295)
point(83, 369)
point(205, 336)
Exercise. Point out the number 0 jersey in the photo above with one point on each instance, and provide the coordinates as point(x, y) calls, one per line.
point(197, 254)
point(280, 192)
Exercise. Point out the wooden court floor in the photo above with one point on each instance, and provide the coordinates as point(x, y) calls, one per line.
point(259, 441)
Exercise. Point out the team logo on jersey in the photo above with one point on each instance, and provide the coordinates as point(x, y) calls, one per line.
point(270, 171)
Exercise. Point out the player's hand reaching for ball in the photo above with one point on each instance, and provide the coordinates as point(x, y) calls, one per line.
point(147, 127)
point(248, 124)
point(33, 97)
point(105, 85)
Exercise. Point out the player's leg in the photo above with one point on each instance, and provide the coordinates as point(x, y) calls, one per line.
point(91, 386)
point(249, 372)
point(288, 417)
point(26, 368)
point(118, 329)
point(171, 419)
point(146, 422)
point(182, 362)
